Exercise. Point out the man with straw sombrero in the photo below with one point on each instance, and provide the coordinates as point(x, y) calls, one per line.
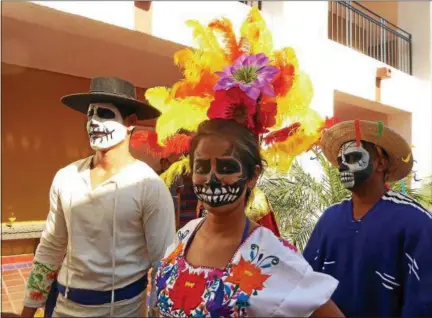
point(378, 244)
point(110, 220)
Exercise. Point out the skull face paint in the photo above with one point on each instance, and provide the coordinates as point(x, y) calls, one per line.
point(355, 164)
point(105, 126)
point(208, 174)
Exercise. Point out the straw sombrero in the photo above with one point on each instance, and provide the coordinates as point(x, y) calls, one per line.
point(111, 90)
point(399, 151)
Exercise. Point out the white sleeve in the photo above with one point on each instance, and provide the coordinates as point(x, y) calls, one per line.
point(49, 253)
point(158, 223)
point(311, 291)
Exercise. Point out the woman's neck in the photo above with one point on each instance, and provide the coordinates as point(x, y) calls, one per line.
point(226, 225)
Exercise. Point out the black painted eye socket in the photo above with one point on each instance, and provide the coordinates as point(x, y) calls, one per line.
point(202, 166)
point(353, 157)
point(227, 166)
point(105, 113)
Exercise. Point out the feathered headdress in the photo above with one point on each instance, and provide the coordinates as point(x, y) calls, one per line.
point(243, 79)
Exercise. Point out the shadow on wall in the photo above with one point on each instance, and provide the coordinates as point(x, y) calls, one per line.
point(39, 136)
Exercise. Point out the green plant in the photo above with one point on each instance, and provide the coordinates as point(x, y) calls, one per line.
point(299, 199)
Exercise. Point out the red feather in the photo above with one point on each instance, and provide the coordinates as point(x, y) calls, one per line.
point(330, 122)
point(357, 132)
point(281, 134)
point(147, 140)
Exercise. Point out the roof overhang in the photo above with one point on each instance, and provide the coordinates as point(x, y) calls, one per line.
point(43, 38)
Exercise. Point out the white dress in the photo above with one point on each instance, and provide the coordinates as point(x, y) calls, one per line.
point(265, 278)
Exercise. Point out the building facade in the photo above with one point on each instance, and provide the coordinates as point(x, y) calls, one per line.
point(367, 60)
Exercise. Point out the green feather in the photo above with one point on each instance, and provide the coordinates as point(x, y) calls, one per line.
point(380, 129)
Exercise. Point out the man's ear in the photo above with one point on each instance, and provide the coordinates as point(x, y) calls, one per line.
point(382, 161)
point(253, 181)
point(130, 122)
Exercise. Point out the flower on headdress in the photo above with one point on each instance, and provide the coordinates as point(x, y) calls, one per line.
point(233, 104)
point(251, 73)
point(266, 116)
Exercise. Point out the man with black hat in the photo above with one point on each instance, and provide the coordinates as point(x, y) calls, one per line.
point(111, 217)
point(378, 244)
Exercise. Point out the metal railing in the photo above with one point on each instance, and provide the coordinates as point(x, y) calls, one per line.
point(357, 27)
point(253, 4)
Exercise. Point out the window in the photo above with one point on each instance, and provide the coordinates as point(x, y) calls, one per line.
point(257, 4)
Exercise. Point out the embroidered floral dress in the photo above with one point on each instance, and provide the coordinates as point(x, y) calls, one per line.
point(264, 278)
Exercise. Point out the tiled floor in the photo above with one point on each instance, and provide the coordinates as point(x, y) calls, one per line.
point(15, 271)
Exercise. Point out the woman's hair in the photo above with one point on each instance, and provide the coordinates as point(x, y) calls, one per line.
point(244, 143)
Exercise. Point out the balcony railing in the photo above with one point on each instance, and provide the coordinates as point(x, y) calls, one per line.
point(253, 4)
point(357, 27)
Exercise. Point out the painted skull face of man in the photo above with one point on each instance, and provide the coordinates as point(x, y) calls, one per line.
point(355, 164)
point(218, 176)
point(105, 126)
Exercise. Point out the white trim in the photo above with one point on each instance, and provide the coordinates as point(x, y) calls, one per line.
point(406, 202)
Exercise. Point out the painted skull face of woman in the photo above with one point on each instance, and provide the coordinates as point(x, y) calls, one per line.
point(105, 126)
point(218, 175)
point(355, 164)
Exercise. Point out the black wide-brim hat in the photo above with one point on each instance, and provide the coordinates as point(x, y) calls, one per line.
point(111, 90)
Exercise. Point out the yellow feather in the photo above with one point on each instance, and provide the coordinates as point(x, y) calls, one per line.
point(186, 114)
point(278, 161)
point(255, 32)
point(297, 101)
point(287, 56)
point(258, 205)
point(177, 169)
point(159, 97)
point(204, 37)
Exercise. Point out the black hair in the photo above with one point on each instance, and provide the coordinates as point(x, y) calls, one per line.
point(245, 144)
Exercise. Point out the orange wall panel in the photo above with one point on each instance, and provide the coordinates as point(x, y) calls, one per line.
point(39, 136)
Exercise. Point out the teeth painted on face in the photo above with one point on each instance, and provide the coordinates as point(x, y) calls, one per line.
point(217, 191)
point(237, 190)
point(224, 190)
point(209, 191)
point(221, 198)
point(215, 199)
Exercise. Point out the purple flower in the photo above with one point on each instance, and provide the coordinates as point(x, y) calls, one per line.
point(251, 73)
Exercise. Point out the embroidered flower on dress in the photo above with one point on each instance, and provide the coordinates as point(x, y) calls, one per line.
point(186, 294)
point(36, 295)
point(247, 276)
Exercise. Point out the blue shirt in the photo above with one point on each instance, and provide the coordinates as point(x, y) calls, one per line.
point(383, 262)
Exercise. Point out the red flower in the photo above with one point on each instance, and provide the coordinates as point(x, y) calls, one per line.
point(187, 291)
point(233, 104)
point(266, 116)
point(36, 295)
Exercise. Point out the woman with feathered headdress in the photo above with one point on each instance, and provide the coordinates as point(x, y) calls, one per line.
point(239, 105)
